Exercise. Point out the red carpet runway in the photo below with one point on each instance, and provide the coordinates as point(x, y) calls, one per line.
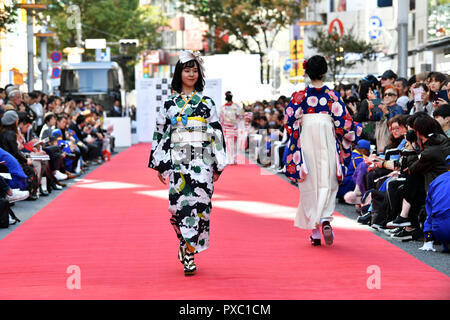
point(109, 237)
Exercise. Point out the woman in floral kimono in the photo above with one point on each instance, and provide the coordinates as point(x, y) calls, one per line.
point(188, 147)
point(321, 135)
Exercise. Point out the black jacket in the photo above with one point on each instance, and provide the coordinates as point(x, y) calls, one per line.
point(8, 141)
point(79, 132)
point(432, 160)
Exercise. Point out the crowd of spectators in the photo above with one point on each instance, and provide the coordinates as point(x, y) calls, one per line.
point(45, 140)
point(395, 177)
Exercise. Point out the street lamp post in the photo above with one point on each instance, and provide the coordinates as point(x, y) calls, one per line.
point(43, 35)
point(30, 7)
point(402, 18)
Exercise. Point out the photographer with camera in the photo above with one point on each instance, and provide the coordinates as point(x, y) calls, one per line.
point(426, 136)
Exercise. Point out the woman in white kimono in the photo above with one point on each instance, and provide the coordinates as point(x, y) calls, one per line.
point(321, 135)
point(230, 116)
point(188, 147)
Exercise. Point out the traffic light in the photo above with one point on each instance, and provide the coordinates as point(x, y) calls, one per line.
point(129, 42)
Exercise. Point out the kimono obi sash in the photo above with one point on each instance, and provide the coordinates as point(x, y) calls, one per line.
point(193, 131)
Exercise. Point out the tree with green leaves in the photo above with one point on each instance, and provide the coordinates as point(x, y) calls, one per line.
point(334, 47)
point(109, 19)
point(254, 24)
point(8, 15)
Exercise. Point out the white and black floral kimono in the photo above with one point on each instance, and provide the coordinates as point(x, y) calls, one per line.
point(188, 146)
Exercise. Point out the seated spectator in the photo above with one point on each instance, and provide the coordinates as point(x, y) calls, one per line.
point(437, 206)
point(387, 79)
point(9, 137)
point(90, 150)
point(2, 98)
point(388, 108)
point(63, 137)
point(436, 84)
point(362, 149)
point(442, 115)
point(38, 111)
point(33, 147)
point(14, 98)
point(49, 125)
point(420, 173)
point(422, 100)
point(18, 177)
point(402, 86)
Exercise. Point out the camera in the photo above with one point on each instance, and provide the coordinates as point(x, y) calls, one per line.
point(411, 136)
point(397, 164)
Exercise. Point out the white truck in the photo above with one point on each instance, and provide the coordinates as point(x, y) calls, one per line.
point(103, 82)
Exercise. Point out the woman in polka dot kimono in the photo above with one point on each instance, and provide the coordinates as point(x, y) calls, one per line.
point(321, 136)
point(188, 147)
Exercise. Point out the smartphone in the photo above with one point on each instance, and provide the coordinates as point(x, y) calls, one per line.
point(443, 95)
point(418, 94)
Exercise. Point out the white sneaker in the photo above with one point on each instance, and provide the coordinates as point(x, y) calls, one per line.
point(12, 221)
point(60, 176)
point(17, 195)
point(58, 187)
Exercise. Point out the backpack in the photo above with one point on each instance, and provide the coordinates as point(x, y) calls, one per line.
point(4, 213)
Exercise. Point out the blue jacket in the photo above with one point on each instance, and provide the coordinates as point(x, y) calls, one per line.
point(437, 203)
point(377, 114)
point(18, 176)
point(356, 159)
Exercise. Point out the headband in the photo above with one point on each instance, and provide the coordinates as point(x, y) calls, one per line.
point(188, 55)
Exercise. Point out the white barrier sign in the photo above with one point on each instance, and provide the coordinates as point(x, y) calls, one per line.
point(151, 94)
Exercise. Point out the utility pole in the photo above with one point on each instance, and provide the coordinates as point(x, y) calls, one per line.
point(402, 29)
point(30, 7)
point(43, 35)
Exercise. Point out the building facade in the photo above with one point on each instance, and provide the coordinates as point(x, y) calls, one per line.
point(376, 22)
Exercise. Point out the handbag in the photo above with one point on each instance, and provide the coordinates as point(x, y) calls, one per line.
point(382, 134)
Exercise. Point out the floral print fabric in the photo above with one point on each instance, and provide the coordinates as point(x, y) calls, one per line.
point(318, 100)
point(190, 166)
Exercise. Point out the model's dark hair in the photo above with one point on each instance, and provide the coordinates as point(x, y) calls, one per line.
point(316, 67)
point(427, 126)
point(176, 80)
